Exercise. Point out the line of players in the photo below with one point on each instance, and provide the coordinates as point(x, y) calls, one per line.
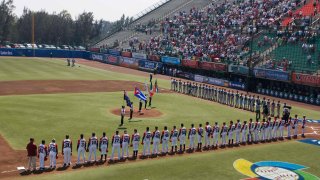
point(228, 97)
point(251, 132)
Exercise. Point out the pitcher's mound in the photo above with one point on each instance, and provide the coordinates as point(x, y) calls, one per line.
point(145, 113)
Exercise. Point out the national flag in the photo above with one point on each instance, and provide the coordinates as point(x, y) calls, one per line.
point(126, 98)
point(139, 94)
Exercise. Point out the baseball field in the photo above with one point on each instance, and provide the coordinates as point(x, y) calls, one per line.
point(44, 99)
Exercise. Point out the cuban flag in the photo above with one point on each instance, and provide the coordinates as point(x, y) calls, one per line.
point(139, 94)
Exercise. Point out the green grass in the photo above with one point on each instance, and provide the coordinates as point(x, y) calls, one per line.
point(16, 68)
point(212, 165)
point(55, 115)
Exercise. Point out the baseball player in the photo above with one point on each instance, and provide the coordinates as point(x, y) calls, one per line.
point(268, 106)
point(252, 103)
point(53, 153)
point(269, 130)
point(273, 106)
point(156, 141)
point(232, 99)
point(103, 146)
point(81, 148)
point(245, 98)
point(125, 139)
point(304, 121)
point(67, 151)
point(116, 141)
point(182, 138)
point(92, 147)
point(208, 131)
point(174, 138)
point(146, 141)
point(164, 140)
point(251, 131)
point(223, 133)
point(275, 126)
point(135, 143)
point(241, 101)
point(244, 130)
point(237, 130)
point(200, 135)
point(231, 129)
point(281, 128)
point(295, 126)
point(237, 100)
point(42, 154)
point(278, 109)
point(191, 136)
point(262, 130)
point(256, 131)
point(215, 136)
point(289, 126)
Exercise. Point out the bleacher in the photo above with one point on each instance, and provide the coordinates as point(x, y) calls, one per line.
point(167, 9)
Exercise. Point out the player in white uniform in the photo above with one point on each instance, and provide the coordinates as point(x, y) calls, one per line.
point(81, 148)
point(42, 153)
point(215, 135)
point(207, 136)
point(103, 146)
point(231, 129)
point(304, 122)
point(191, 137)
point(156, 141)
point(182, 138)
point(275, 126)
point(251, 131)
point(281, 128)
point(92, 147)
point(237, 130)
point(116, 141)
point(295, 127)
point(289, 127)
point(223, 134)
point(174, 138)
point(257, 127)
point(125, 143)
point(67, 151)
point(135, 143)
point(263, 129)
point(146, 141)
point(269, 129)
point(200, 135)
point(244, 131)
point(164, 140)
point(53, 153)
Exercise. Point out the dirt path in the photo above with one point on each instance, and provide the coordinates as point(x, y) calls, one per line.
point(64, 86)
point(140, 73)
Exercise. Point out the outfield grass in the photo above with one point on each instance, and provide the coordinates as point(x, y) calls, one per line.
point(212, 165)
point(16, 68)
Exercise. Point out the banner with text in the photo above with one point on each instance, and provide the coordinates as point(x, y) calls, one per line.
point(237, 85)
point(129, 62)
point(306, 79)
point(271, 74)
point(190, 63)
point(97, 57)
point(110, 59)
point(170, 60)
point(139, 55)
point(126, 54)
point(237, 69)
point(150, 66)
point(154, 58)
point(213, 66)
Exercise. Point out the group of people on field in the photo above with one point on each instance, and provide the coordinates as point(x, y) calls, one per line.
point(229, 97)
point(232, 134)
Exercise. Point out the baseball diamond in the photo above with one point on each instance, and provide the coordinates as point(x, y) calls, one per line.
point(185, 89)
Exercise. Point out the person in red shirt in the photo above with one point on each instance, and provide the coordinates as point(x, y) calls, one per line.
point(32, 155)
